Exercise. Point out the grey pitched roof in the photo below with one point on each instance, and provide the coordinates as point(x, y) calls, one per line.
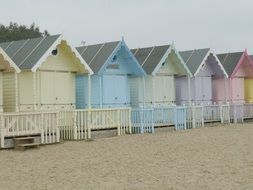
point(229, 61)
point(150, 57)
point(194, 58)
point(26, 53)
point(97, 55)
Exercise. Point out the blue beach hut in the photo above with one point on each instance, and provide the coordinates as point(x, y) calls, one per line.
point(113, 65)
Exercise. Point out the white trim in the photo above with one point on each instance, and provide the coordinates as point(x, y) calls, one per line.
point(221, 66)
point(204, 61)
point(7, 58)
point(161, 61)
point(54, 46)
point(182, 60)
point(172, 47)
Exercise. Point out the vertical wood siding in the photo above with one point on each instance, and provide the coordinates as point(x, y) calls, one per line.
point(182, 90)
point(237, 90)
point(9, 92)
point(135, 91)
point(248, 90)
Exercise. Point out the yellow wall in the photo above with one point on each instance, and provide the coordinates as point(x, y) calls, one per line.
point(65, 60)
point(248, 90)
point(51, 87)
point(9, 92)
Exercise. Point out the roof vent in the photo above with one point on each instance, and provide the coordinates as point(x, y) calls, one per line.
point(54, 52)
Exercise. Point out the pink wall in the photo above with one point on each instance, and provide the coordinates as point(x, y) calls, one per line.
point(219, 91)
point(237, 90)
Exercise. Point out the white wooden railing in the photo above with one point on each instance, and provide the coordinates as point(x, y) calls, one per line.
point(164, 116)
point(215, 112)
point(78, 124)
point(44, 124)
point(225, 113)
point(142, 120)
point(194, 116)
point(237, 113)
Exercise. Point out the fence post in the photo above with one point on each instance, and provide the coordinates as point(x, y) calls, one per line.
point(129, 120)
point(193, 117)
point(57, 127)
point(118, 122)
point(74, 125)
point(89, 124)
point(142, 120)
point(221, 114)
point(202, 116)
point(2, 131)
point(42, 128)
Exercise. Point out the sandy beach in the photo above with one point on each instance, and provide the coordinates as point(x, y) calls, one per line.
point(215, 158)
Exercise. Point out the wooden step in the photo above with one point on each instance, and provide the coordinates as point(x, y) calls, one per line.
point(23, 138)
point(28, 145)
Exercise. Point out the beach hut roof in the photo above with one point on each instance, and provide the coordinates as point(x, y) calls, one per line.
point(98, 55)
point(9, 60)
point(29, 54)
point(230, 61)
point(150, 58)
point(196, 58)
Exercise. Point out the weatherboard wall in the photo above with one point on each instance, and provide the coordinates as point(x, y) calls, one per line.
point(52, 86)
point(160, 85)
point(248, 83)
point(206, 69)
point(110, 86)
point(240, 69)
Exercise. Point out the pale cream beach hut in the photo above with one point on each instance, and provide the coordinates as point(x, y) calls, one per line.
point(47, 79)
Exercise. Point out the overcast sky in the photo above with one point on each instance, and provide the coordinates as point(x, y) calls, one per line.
point(223, 25)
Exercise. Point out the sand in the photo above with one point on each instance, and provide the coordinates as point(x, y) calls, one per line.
point(214, 158)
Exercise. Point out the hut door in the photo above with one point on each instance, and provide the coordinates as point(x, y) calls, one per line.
point(164, 89)
point(238, 89)
point(198, 91)
point(159, 89)
point(120, 86)
point(114, 90)
point(109, 93)
point(64, 83)
point(169, 89)
point(47, 88)
point(248, 90)
point(206, 88)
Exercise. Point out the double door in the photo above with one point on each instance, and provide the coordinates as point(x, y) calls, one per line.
point(203, 89)
point(115, 90)
point(57, 90)
point(164, 89)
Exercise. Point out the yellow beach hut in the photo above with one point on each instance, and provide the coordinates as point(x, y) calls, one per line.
point(47, 79)
point(248, 86)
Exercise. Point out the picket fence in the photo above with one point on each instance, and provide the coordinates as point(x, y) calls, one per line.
point(216, 113)
point(142, 120)
point(44, 124)
point(78, 124)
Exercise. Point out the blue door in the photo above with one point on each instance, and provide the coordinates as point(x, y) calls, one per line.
point(115, 90)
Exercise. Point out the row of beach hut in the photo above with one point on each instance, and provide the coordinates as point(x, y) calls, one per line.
point(109, 85)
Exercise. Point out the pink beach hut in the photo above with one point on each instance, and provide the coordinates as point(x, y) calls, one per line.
point(239, 68)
